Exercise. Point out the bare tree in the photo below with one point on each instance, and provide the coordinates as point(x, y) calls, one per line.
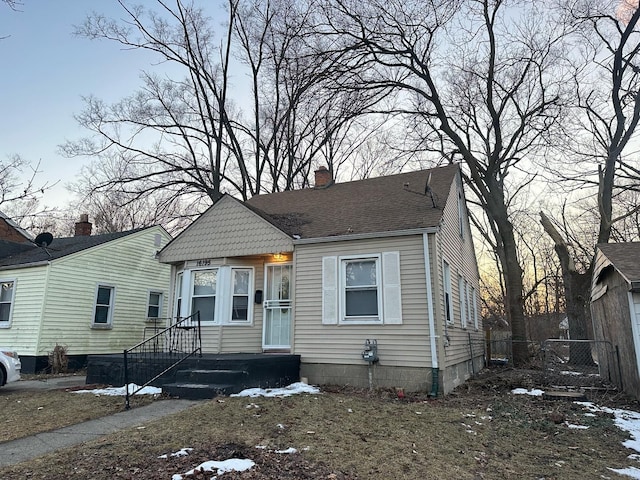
point(19, 183)
point(607, 89)
point(190, 136)
point(480, 81)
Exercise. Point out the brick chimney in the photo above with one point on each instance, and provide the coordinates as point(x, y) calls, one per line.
point(83, 227)
point(323, 177)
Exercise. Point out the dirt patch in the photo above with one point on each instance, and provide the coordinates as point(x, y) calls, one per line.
point(481, 431)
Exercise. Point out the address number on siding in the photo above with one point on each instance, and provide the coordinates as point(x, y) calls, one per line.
point(203, 263)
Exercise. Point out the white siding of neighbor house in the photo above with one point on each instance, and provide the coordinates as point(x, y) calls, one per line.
point(457, 250)
point(128, 264)
point(22, 336)
point(237, 338)
point(406, 344)
point(227, 229)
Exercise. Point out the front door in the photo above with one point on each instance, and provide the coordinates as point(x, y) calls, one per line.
point(276, 333)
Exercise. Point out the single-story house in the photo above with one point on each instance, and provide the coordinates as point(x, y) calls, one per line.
point(92, 294)
point(615, 309)
point(371, 282)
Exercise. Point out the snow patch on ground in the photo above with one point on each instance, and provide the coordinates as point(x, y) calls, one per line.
point(523, 391)
point(121, 391)
point(230, 465)
point(293, 389)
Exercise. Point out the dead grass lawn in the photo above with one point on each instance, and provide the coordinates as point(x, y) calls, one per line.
point(480, 432)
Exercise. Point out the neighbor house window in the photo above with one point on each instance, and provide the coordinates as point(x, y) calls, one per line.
point(361, 288)
point(154, 306)
point(446, 277)
point(203, 295)
point(6, 302)
point(103, 315)
point(241, 284)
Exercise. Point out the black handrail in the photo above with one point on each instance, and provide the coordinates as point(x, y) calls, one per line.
point(150, 359)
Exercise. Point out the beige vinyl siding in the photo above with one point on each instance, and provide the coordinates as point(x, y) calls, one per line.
point(227, 229)
point(28, 299)
point(238, 338)
point(398, 345)
point(459, 253)
point(128, 264)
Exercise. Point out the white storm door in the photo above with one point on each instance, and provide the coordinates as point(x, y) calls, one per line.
point(277, 307)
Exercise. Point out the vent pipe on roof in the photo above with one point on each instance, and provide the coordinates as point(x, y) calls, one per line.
point(84, 226)
point(323, 177)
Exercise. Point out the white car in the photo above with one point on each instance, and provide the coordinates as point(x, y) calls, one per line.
point(9, 366)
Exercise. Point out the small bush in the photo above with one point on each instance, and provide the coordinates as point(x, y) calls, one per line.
point(58, 360)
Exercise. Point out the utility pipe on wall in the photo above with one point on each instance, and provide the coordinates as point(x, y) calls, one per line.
point(435, 370)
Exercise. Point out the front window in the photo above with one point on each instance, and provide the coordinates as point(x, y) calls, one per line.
point(155, 305)
point(6, 301)
point(104, 306)
point(241, 280)
point(361, 281)
point(203, 295)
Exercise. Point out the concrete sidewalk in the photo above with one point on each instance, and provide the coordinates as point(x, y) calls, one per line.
point(17, 451)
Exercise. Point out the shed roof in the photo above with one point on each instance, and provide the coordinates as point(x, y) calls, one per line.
point(625, 257)
point(375, 205)
point(14, 254)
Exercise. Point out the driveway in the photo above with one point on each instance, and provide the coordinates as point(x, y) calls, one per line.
point(51, 383)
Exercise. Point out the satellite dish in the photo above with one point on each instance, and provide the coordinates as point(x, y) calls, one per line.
point(44, 239)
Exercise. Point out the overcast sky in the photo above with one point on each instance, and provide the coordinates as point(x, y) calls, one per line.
point(44, 72)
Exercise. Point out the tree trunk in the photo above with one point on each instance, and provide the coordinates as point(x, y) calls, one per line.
point(576, 290)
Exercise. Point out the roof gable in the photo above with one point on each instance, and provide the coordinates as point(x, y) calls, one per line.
point(227, 229)
point(625, 258)
point(375, 205)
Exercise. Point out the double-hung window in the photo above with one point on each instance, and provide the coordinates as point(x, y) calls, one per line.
point(154, 306)
point(361, 288)
point(448, 307)
point(462, 298)
point(241, 286)
point(7, 289)
point(103, 314)
point(203, 294)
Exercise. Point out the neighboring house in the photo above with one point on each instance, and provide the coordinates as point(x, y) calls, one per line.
point(12, 232)
point(615, 308)
point(319, 272)
point(90, 294)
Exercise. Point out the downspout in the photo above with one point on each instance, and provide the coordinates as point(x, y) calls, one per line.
point(435, 370)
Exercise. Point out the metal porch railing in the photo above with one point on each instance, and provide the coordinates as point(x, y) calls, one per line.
point(155, 356)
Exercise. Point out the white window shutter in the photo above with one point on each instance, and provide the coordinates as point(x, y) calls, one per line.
point(329, 290)
point(392, 297)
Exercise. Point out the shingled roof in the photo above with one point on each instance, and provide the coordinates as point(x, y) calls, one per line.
point(625, 257)
point(21, 254)
point(375, 205)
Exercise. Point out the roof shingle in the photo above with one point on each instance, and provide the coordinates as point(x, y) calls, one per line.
point(375, 205)
point(17, 254)
point(625, 257)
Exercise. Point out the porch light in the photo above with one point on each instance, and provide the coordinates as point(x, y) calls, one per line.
point(279, 257)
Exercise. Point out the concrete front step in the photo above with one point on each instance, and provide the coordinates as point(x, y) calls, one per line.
point(198, 391)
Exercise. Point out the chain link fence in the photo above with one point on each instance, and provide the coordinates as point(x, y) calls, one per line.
point(581, 364)
point(564, 364)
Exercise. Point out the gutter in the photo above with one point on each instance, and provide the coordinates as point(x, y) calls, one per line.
point(366, 236)
point(435, 370)
point(17, 266)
